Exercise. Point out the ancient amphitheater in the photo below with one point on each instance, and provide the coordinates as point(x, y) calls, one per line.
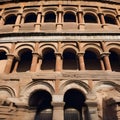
point(59, 60)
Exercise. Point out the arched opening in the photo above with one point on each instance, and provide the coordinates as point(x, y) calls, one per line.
point(91, 61)
point(30, 17)
point(3, 55)
point(69, 17)
point(10, 19)
point(90, 18)
point(70, 60)
point(114, 60)
point(40, 101)
point(48, 62)
point(75, 108)
point(110, 19)
point(50, 17)
point(25, 60)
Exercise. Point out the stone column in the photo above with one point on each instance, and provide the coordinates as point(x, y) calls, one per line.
point(102, 20)
point(42, 19)
point(22, 19)
point(17, 60)
point(58, 107)
point(18, 20)
point(39, 16)
point(58, 62)
point(34, 61)
point(118, 20)
point(59, 18)
point(102, 63)
point(81, 60)
point(39, 63)
point(92, 109)
point(81, 24)
point(10, 58)
point(105, 56)
point(118, 17)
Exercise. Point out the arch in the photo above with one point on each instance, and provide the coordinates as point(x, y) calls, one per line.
point(71, 84)
point(30, 17)
point(4, 48)
point(114, 46)
point(34, 86)
point(110, 19)
point(25, 56)
point(45, 46)
point(107, 86)
point(10, 19)
point(41, 101)
point(69, 17)
point(50, 17)
point(90, 18)
point(49, 59)
point(74, 101)
point(70, 60)
point(6, 91)
point(93, 47)
point(92, 62)
point(23, 46)
point(69, 46)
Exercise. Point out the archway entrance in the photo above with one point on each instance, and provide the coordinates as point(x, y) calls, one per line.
point(40, 101)
point(75, 108)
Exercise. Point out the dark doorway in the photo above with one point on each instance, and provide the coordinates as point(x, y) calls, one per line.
point(41, 102)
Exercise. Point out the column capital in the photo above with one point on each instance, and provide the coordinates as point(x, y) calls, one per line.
point(35, 54)
point(10, 56)
point(105, 54)
point(59, 11)
point(39, 12)
point(19, 13)
point(79, 11)
point(58, 53)
point(100, 13)
point(80, 53)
